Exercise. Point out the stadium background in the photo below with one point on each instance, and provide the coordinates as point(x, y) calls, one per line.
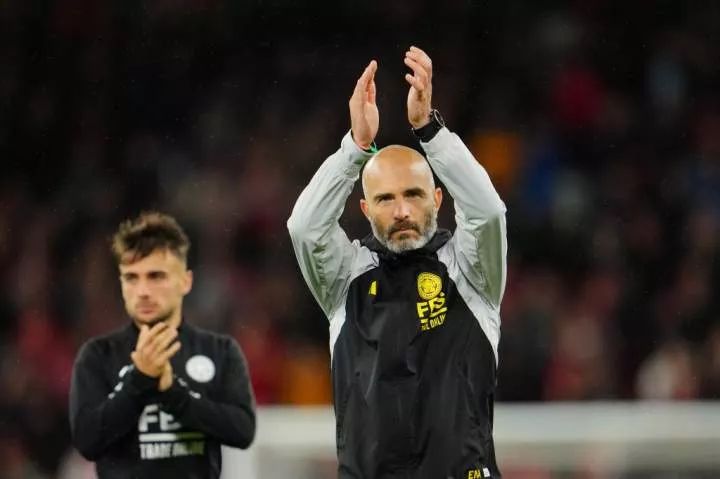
point(598, 120)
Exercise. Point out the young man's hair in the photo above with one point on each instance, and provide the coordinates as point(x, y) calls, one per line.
point(150, 231)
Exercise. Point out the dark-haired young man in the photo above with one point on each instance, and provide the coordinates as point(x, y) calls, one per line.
point(157, 398)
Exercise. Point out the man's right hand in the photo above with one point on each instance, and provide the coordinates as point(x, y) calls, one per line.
point(154, 349)
point(364, 115)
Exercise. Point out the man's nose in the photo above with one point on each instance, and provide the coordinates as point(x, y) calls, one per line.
point(143, 288)
point(402, 209)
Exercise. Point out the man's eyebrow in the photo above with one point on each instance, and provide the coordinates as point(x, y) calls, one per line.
point(383, 196)
point(417, 191)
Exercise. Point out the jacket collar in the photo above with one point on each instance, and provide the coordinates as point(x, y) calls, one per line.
point(373, 244)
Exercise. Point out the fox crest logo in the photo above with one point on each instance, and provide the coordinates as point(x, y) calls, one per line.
point(429, 285)
point(432, 310)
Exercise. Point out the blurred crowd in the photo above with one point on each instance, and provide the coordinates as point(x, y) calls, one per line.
point(599, 122)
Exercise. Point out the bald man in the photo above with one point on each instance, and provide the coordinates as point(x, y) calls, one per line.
point(414, 311)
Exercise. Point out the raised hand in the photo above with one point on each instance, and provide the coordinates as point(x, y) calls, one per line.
point(419, 100)
point(166, 379)
point(364, 115)
point(154, 349)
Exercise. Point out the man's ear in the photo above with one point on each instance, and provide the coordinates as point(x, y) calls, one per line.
point(364, 207)
point(187, 282)
point(438, 197)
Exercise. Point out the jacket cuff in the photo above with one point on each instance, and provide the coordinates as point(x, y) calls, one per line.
point(139, 383)
point(176, 398)
point(356, 155)
point(438, 141)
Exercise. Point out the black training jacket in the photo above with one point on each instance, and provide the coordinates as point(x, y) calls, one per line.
point(413, 336)
point(121, 421)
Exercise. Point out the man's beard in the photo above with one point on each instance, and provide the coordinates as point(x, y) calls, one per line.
point(426, 232)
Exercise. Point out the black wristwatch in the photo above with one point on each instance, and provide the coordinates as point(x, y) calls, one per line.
point(428, 132)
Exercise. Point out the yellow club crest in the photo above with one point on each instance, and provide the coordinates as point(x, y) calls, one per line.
point(429, 285)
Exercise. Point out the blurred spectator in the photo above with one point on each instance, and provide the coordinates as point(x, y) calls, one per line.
point(16, 463)
point(668, 374)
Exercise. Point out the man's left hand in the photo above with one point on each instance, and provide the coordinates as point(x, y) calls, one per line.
point(166, 379)
point(419, 98)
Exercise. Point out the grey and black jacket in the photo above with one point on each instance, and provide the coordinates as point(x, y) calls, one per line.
point(413, 336)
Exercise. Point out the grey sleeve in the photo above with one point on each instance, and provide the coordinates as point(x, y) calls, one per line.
point(323, 251)
point(480, 240)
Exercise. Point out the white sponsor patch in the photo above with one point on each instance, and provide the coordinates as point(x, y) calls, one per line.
point(200, 368)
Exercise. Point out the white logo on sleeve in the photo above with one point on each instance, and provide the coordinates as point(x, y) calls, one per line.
point(200, 368)
point(118, 387)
